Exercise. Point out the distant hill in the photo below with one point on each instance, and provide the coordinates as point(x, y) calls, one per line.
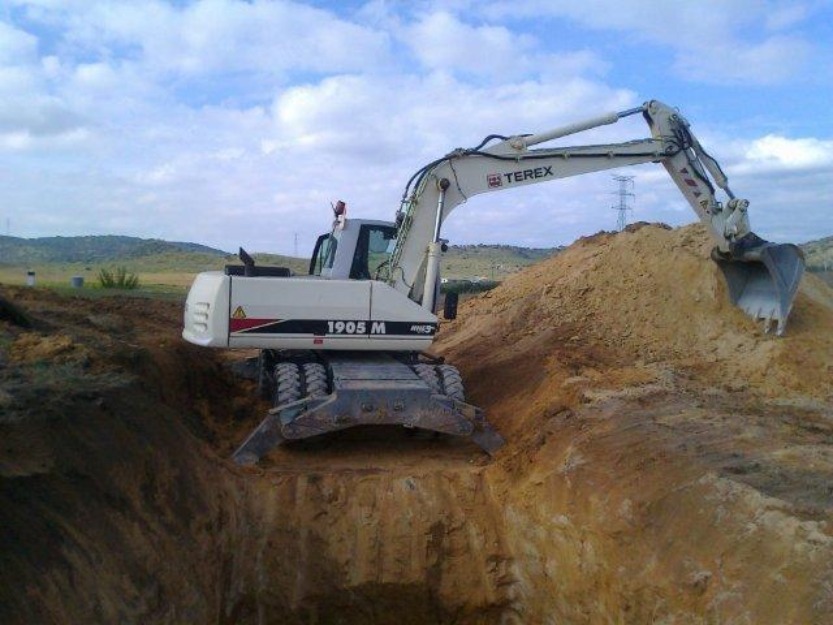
point(497, 261)
point(509, 251)
point(91, 249)
point(819, 254)
point(55, 256)
point(155, 255)
point(491, 261)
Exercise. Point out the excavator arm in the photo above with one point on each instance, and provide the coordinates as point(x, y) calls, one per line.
point(762, 277)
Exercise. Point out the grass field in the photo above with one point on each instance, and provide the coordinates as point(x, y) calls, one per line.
point(60, 275)
point(173, 271)
point(166, 274)
point(164, 285)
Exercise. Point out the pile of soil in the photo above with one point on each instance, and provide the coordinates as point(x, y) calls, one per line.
point(655, 426)
point(642, 304)
point(666, 462)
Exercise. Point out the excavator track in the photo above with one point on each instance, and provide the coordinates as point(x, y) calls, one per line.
point(365, 389)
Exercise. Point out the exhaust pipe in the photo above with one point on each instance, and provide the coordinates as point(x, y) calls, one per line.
point(762, 278)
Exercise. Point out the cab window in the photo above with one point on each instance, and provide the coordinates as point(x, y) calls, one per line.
point(323, 255)
point(373, 249)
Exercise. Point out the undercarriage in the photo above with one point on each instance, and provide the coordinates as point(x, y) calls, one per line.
point(314, 395)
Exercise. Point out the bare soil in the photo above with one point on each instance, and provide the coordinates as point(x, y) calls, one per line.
point(666, 462)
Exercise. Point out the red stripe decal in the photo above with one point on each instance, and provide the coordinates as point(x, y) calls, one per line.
point(238, 325)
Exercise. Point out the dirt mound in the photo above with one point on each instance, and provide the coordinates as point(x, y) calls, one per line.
point(644, 305)
point(676, 437)
point(666, 462)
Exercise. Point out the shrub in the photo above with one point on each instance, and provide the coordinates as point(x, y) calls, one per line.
point(14, 314)
point(467, 286)
point(118, 278)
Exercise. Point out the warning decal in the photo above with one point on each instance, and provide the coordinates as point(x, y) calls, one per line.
point(238, 313)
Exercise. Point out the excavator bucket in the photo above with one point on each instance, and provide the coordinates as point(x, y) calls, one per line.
point(763, 280)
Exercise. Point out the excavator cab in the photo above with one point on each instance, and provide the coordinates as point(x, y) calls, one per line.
point(355, 249)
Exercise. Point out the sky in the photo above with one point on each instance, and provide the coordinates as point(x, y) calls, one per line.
point(238, 123)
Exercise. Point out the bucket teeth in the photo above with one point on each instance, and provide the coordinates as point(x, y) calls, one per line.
point(763, 280)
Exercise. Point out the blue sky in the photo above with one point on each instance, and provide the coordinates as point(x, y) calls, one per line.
point(237, 123)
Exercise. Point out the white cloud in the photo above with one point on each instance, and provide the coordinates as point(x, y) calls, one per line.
point(442, 42)
point(271, 37)
point(16, 46)
point(46, 118)
point(18, 81)
point(784, 153)
point(773, 61)
point(401, 116)
point(96, 76)
point(714, 41)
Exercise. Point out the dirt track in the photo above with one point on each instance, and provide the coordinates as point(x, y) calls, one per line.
point(667, 463)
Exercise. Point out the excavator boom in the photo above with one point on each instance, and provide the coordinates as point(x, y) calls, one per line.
point(762, 277)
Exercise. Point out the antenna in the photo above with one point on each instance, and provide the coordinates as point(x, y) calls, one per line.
point(296, 245)
point(623, 207)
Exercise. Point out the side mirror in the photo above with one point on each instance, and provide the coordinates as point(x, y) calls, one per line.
point(450, 305)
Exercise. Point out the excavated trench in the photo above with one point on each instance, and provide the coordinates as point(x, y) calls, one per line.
point(117, 509)
point(632, 489)
point(118, 504)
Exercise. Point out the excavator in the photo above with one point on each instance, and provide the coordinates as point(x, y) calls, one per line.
point(346, 345)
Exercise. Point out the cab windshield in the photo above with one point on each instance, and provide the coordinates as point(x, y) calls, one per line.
point(373, 249)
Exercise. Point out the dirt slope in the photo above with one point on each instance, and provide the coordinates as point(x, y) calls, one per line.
point(646, 302)
point(654, 423)
point(666, 463)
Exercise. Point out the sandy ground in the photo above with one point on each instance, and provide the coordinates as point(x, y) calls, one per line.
point(666, 462)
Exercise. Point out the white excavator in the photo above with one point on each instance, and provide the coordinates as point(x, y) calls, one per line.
point(346, 345)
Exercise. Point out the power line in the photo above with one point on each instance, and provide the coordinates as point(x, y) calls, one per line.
point(625, 182)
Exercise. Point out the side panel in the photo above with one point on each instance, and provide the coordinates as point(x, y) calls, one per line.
point(293, 313)
point(315, 313)
point(400, 316)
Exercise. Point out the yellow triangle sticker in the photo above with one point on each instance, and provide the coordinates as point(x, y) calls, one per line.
point(239, 313)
